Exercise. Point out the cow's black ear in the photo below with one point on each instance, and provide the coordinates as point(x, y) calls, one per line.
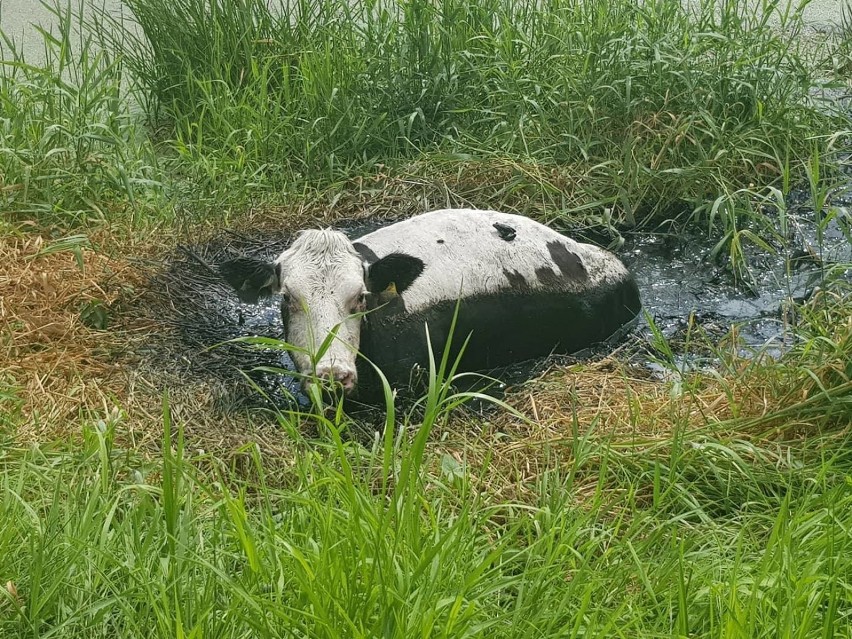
point(397, 271)
point(251, 278)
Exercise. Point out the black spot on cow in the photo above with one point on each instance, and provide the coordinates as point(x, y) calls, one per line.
point(397, 269)
point(516, 280)
point(539, 323)
point(548, 277)
point(440, 241)
point(569, 264)
point(505, 231)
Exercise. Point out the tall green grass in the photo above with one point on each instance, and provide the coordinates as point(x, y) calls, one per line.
point(616, 111)
point(839, 47)
point(71, 151)
point(649, 105)
point(704, 537)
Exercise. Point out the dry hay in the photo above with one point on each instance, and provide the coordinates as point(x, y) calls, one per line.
point(58, 366)
point(81, 341)
point(571, 410)
point(616, 401)
point(72, 339)
point(393, 194)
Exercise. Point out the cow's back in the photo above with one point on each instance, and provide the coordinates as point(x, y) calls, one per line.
point(522, 290)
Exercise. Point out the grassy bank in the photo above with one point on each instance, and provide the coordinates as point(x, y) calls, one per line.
point(98, 543)
point(595, 111)
point(737, 528)
point(71, 153)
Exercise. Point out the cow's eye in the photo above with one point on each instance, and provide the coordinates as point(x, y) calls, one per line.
point(359, 302)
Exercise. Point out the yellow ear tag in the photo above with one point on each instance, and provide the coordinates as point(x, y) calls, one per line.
point(390, 290)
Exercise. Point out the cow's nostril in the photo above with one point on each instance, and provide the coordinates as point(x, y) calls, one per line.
point(347, 380)
point(345, 377)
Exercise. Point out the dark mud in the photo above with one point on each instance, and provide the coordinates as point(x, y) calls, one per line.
point(677, 277)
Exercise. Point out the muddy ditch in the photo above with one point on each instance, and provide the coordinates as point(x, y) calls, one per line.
point(678, 279)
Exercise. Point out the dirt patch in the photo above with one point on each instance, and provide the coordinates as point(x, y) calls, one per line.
point(82, 341)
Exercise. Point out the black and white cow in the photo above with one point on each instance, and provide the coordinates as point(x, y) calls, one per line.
point(523, 290)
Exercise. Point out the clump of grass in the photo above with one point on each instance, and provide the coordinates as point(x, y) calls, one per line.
point(70, 149)
point(839, 46)
point(659, 105)
point(809, 389)
point(823, 351)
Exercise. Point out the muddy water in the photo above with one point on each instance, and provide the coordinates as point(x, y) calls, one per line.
point(677, 280)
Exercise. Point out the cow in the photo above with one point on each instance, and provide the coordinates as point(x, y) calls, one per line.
point(515, 288)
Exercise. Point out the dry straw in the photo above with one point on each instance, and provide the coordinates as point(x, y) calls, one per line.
point(62, 367)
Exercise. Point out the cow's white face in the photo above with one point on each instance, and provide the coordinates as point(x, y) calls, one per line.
point(325, 287)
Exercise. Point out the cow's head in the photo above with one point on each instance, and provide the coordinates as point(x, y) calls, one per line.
point(325, 284)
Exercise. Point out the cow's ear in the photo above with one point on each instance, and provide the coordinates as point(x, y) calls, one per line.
point(252, 278)
point(393, 273)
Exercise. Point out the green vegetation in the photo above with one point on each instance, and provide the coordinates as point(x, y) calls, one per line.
point(739, 532)
point(652, 105)
point(70, 150)
point(840, 56)
point(598, 111)
point(712, 504)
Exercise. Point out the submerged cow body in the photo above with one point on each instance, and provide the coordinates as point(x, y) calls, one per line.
point(521, 289)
